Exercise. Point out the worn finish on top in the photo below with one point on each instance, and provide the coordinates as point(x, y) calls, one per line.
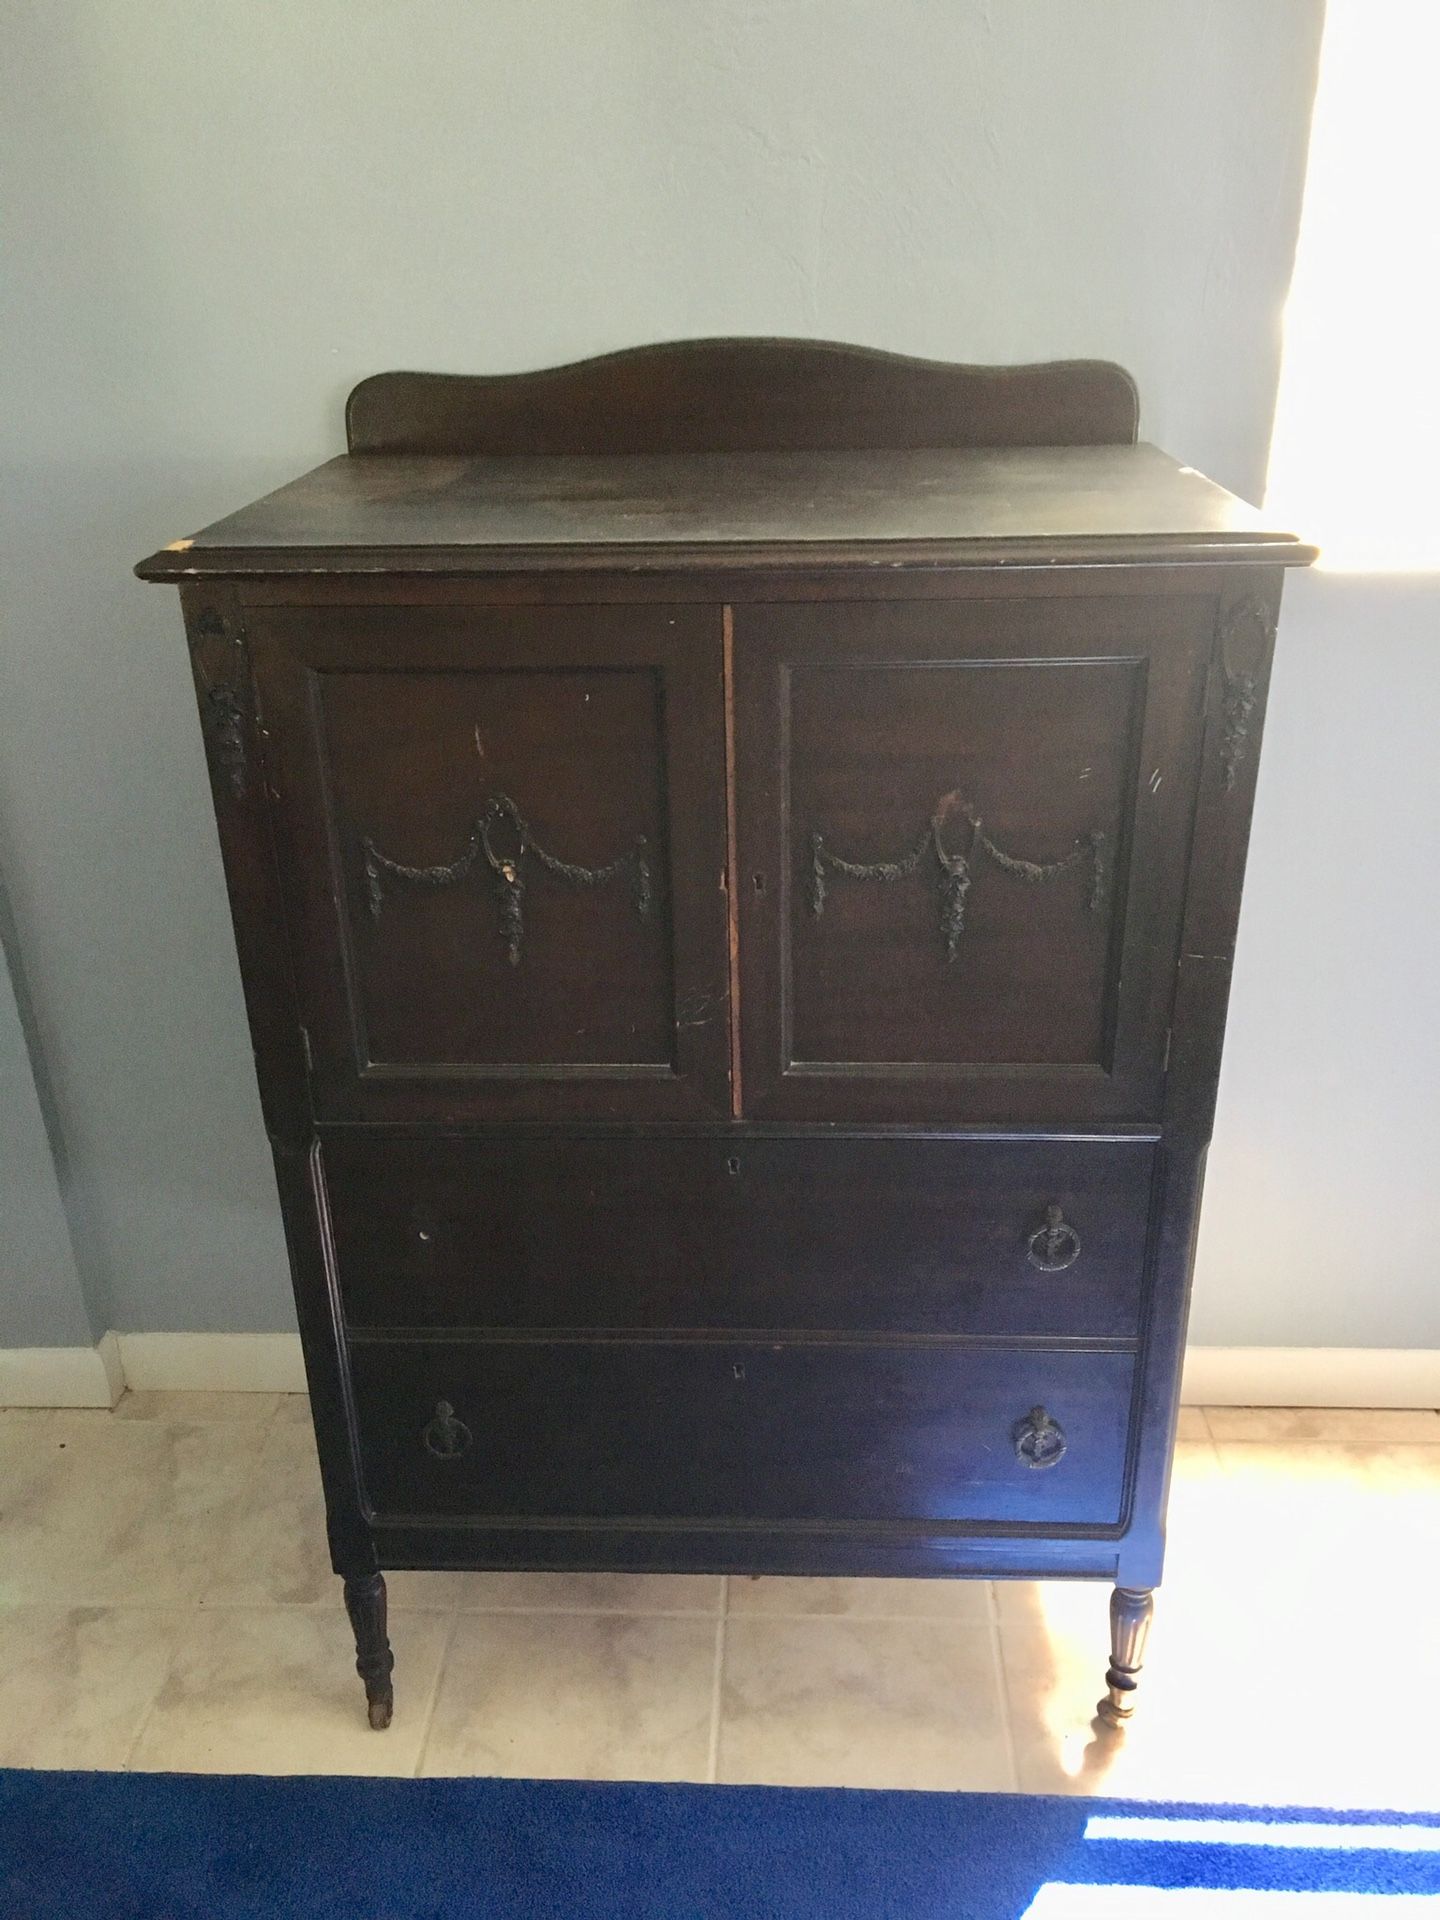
point(731, 454)
point(984, 506)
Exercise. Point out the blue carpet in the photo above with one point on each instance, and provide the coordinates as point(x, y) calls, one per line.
point(190, 1847)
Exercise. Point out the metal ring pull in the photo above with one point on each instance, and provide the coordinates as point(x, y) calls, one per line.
point(1039, 1441)
point(445, 1436)
point(1054, 1246)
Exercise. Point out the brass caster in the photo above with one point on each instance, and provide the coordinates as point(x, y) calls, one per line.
point(1113, 1714)
point(1130, 1611)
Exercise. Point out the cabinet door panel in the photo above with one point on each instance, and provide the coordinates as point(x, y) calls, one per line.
point(502, 833)
point(965, 828)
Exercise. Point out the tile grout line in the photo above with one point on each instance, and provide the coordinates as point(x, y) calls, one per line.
point(722, 1623)
point(245, 1502)
point(997, 1655)
point(1321, 1414)
point(856, 1618)
point(198, 1604)
point(423, 1750)
point(431, 1607)
point(564, 1613)
point(183, 1628)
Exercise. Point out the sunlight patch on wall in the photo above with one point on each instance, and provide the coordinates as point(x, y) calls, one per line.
point(1355, 458)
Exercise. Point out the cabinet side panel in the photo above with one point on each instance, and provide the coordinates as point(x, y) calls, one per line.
point(1236, 691)
point(219, 654)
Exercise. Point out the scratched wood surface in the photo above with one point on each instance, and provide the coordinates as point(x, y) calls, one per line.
point(742, 1231)
point(426, 513)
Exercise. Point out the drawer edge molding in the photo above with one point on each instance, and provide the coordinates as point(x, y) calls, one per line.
point(773, 1339)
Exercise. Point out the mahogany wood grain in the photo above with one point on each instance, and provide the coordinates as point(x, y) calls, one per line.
point(743, 396)
point(747, 1433)
point(902, 509)
point(390, 735)
point(1048, 721)
point(774, 1234)
point(682, 1226)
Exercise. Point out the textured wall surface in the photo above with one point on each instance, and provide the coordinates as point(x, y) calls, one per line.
point(1318, 1225)
point(42, 1303)
point(223, 216)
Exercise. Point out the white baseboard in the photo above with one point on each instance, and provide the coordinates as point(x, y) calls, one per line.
point(271, 1363)
point(61, 1376)
point(213, 1362)
point(108, 1351)
point(1311, 1377)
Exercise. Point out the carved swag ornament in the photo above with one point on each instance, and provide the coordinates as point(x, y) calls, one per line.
point(955, 866)
point(504, 837)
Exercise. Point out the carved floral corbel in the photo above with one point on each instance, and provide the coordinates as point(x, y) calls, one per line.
point(1247, 630)
point(218, 653)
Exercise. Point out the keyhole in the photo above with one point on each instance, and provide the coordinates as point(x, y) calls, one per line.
point(758, 882)
point(733, 1164)
point(738, 1370)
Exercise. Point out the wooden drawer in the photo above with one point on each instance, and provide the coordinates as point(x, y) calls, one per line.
point(676, 1432)
point(805, 1235)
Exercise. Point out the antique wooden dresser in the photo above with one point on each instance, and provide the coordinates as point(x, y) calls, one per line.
point(735, 850)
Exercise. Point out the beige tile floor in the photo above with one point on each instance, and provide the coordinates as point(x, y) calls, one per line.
point(165, 1602)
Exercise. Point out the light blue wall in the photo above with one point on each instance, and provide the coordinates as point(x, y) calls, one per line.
point(1318, 1227)
point(42, 1299)
point(222, 216)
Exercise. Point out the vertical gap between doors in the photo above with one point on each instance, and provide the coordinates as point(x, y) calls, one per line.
point(732, 870)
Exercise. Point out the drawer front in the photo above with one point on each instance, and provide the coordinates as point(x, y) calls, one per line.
point(647, 1432)
point(890, 1236)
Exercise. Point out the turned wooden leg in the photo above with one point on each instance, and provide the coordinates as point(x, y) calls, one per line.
point(1130, 1612)
point(374, 1662)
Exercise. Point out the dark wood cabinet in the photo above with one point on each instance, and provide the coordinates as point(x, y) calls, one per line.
point(735, 851)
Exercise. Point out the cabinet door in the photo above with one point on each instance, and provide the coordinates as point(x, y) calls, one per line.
point(502, 833)
point(963, 832)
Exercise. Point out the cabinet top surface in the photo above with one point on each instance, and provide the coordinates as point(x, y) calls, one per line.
point(465, 513)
